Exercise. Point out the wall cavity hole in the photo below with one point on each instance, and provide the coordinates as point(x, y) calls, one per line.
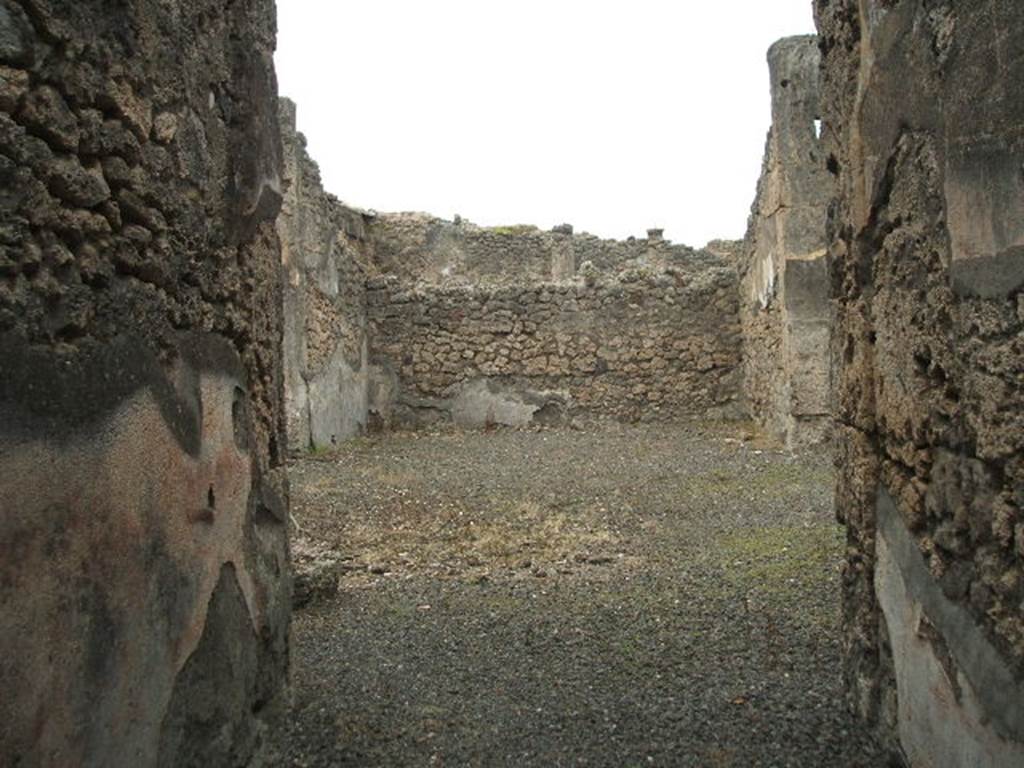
point(784, 83)
point(211, 499)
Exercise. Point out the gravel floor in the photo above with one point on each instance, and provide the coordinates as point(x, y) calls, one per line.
point(614, 596)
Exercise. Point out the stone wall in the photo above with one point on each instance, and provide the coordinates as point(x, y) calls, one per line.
point(423, 249)
point(637, 345)
point(405, 319)
point(144, 582)
point(416, 247)
point(923, 123)
point(325, 349)
point(784, 275)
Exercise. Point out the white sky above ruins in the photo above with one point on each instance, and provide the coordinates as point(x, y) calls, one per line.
point(612, 116)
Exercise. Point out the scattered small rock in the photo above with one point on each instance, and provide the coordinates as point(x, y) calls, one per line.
point(671, 638)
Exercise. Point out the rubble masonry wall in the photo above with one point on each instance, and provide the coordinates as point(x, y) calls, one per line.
point(922, 129)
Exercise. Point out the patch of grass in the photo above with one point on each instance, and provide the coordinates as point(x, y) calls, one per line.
point(359, 445)
point(513, 229)
point(508, 534)
point(529, 529)
point(391, 477)
point(770, 564)
point(320, 451)
point(772, 479)
point(721, 758)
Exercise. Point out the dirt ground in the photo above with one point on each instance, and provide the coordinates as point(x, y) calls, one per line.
point(610, 596)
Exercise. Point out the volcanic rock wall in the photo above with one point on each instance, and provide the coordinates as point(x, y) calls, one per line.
point(635, 346)
point(785, 276)
point(144, 576)
point(493, 325)
point(406, 319)
point(423, 249)
point(923, 115)
point(325, 349)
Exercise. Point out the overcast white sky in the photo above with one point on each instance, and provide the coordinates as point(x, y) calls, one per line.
point(613, 116)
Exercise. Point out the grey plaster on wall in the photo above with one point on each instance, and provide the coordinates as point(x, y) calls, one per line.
point(484, 402)
point(959, 704)
point(325, 346)
point(337, 399)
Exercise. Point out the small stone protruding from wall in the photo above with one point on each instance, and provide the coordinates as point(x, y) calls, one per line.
point(563, 253)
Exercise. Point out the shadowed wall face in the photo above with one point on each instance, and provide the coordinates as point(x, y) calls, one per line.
point(144, 586)
point(323, 251)
point(923, 121)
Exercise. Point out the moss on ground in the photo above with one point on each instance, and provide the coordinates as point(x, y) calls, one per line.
point(775, 567)
point(771, 478)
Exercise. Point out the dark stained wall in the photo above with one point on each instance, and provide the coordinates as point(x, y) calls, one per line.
point(144, 575)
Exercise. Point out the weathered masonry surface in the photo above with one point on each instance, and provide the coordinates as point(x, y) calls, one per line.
point(325, 339)
point(144, 580)
point(923, 118)
point(401, 320)
point(639, 347)
point(784, 276)
point(408, 319)
point(157, 343)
